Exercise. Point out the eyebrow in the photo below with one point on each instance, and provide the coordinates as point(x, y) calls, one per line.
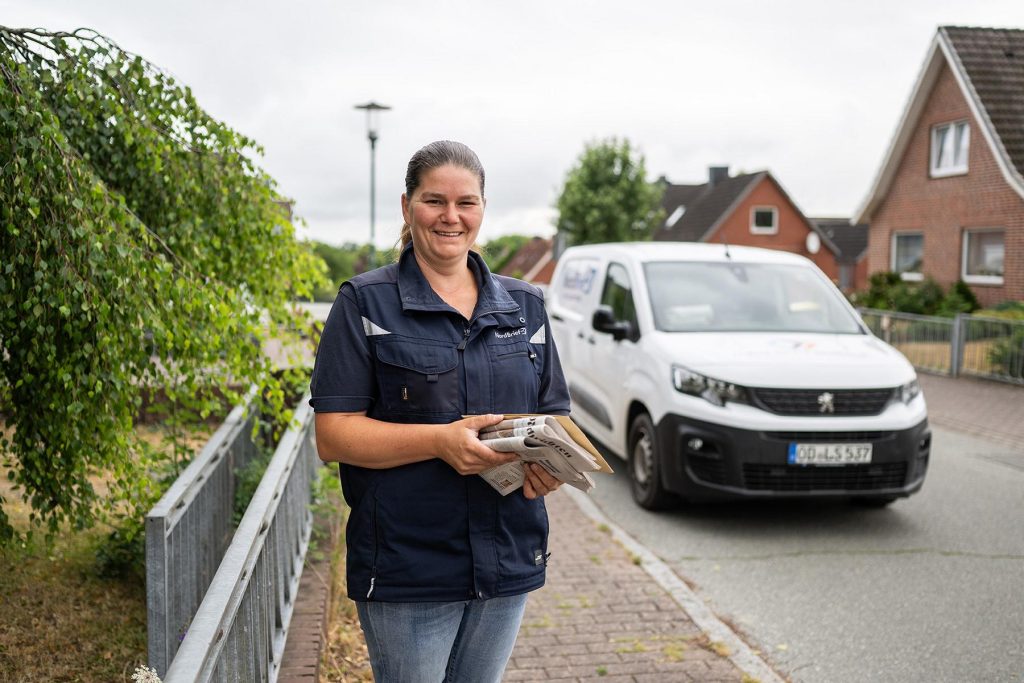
point(441, 195)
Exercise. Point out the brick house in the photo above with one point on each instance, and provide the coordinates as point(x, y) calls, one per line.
point(534, 262)
point(948, 200)
point(752, 209)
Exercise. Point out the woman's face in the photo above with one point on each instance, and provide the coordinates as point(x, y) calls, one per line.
point(445, 213)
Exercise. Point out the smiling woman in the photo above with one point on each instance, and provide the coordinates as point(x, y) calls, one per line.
point(439, 563)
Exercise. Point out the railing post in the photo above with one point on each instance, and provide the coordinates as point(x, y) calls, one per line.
point(956, 345)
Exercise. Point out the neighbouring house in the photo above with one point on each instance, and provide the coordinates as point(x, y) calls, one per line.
point(948, 200)
point(534, 262)
point(752, 209)
point(852, 241)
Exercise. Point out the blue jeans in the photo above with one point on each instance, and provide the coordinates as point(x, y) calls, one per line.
point(430, 642)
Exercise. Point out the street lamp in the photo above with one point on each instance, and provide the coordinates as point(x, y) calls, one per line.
point(372, 122)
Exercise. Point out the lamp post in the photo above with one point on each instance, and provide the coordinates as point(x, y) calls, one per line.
point(372, 122)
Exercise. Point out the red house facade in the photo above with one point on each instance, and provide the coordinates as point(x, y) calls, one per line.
point(948, 200)
point(752, 209)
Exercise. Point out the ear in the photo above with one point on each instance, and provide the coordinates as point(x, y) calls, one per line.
point(406, 213)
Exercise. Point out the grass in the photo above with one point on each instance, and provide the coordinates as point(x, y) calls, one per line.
point(62, 621)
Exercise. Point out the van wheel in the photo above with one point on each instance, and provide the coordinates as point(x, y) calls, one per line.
point(645, 466)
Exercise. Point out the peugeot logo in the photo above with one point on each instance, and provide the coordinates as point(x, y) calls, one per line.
point(825, 403)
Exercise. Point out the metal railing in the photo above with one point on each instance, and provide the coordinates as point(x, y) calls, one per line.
point(188, 531)
point(990, 348)
point(239, 631)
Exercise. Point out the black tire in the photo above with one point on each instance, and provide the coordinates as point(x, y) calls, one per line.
point(874, 501)
point(644, 464)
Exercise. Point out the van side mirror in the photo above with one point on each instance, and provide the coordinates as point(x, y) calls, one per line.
point(604, 321)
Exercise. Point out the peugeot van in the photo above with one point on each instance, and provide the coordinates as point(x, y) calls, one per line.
point(722, 372)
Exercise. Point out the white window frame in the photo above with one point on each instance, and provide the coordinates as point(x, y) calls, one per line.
point(906, 275)
point(979, 279)
point(755, 230)
point(933, 155)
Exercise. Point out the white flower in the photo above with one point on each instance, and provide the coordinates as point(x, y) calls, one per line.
point(144, 674)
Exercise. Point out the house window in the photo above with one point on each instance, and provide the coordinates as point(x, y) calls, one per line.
point(764, 220)
point(950, 143)
point(907, 254)
point(983, 256)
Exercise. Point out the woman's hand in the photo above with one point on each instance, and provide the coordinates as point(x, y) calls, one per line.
point(538, 482)
point(459, 445)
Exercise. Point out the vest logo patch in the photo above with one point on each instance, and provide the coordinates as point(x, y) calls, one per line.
point(510, 333)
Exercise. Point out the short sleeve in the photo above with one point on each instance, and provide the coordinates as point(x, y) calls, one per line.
point(343, 375)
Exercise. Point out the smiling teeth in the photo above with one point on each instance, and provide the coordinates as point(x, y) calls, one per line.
point(448, 234)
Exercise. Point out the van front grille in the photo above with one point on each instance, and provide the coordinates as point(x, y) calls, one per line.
point(828, 437)
point(758, 477)
point(811, 402)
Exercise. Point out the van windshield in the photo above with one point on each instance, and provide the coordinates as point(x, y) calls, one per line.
point(744, 297)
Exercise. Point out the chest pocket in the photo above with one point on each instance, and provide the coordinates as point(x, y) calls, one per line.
point(516, 380)
point(418, 377)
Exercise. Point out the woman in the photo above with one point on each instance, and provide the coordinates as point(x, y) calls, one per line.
point(439, 564)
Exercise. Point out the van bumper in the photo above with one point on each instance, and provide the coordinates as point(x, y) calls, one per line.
point(736, 463)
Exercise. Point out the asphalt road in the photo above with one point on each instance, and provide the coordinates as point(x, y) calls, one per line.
point(928, 589)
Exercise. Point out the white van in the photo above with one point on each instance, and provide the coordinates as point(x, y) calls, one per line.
point(722, 371)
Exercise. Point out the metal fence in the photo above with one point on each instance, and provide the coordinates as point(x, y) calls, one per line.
point(991, 348)
point(239, 631)
point(188, 531)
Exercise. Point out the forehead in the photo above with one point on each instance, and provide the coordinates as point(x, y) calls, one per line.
point(449, 180)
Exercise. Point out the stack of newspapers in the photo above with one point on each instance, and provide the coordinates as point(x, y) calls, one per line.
point(552, 441)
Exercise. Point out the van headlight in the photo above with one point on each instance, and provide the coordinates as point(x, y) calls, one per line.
point(710, 389)
point(907, 392)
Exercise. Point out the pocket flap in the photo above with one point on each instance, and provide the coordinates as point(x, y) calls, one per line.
point(417, 356)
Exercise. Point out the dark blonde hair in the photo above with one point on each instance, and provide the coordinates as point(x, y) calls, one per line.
point(436, 155)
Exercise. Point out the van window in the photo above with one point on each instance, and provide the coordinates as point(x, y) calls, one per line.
point(744, 297)
point(618, 294)
point(578, 279)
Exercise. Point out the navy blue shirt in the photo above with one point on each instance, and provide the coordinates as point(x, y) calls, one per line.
point(392, 347)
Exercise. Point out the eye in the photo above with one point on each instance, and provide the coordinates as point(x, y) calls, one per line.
point(432, 202)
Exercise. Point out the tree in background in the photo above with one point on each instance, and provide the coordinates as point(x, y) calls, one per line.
point(606, 196)
point(144, 251)
point(500, 250)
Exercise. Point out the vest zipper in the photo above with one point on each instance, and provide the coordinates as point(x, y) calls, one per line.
point(376, 545)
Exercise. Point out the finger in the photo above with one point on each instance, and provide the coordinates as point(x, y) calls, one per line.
point(540, 488)
point(528, 491)
point(545, 478)
point(478, 422)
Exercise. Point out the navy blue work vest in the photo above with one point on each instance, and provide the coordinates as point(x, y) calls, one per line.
point(423, 532)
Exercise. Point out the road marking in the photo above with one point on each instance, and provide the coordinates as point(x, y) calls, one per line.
point(740, 653)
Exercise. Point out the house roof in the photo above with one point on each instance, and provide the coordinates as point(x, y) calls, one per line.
point(851, 240)
point(705, 206)
point(988, 65)
point(530, 260)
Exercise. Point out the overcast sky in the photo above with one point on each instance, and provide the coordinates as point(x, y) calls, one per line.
point(811, 90)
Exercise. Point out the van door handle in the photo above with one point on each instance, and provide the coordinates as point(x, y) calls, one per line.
point(555, 316)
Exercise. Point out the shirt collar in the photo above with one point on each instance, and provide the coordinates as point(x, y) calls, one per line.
point(417, 294)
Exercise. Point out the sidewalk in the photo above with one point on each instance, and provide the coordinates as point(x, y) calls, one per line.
point(990, 410)
point(603, 617)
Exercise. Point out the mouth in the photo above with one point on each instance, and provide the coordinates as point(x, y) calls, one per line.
point(442, 233)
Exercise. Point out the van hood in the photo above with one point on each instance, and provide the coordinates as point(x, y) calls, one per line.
point(790, 359)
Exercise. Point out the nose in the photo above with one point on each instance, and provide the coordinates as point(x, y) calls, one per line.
point(450, 214)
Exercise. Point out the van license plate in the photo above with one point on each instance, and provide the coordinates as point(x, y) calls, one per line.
point(829, 453)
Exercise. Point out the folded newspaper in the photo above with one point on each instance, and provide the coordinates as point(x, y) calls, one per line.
point(552, 441)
